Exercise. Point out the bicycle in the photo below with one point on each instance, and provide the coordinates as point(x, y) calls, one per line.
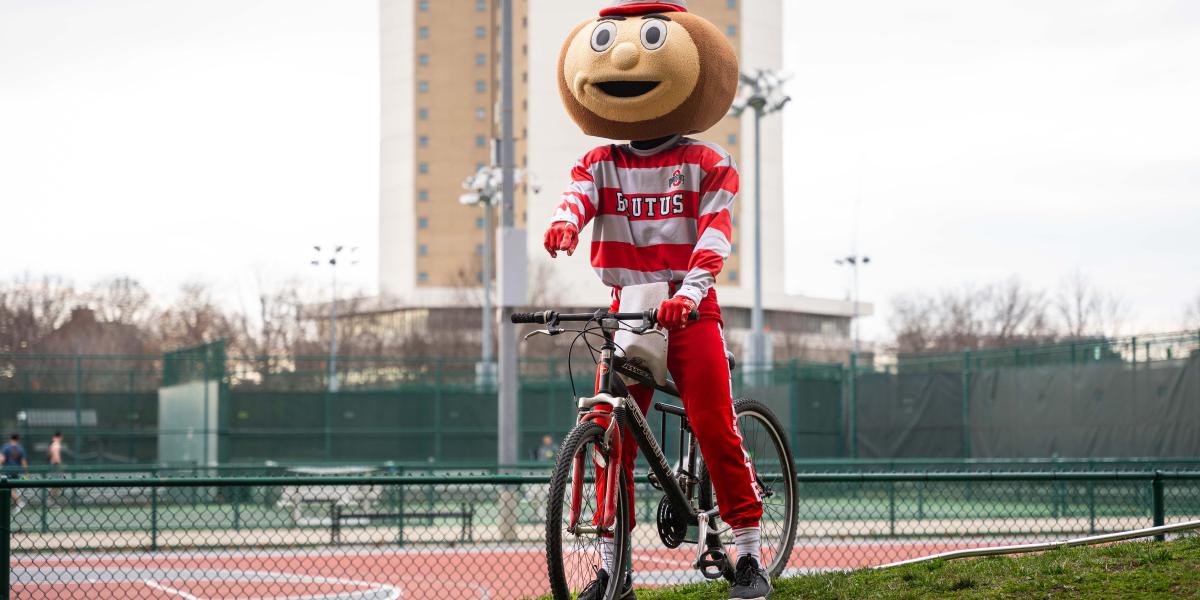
point(582, 508)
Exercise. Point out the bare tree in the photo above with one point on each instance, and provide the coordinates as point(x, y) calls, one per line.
point(195, 318)
point(1016, 314)
point(1085, 310)
point(30, 309)
point(121, 300)
point(270, 334)
point(970, 317)
point(913, 322)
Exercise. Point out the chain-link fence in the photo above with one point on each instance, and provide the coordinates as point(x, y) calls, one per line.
point(483, 536)
point(1109, 398)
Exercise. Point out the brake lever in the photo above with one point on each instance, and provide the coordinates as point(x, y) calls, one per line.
point(647, 328)
point(550, 331)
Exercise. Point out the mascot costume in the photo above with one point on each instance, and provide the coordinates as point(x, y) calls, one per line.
point(653, 73)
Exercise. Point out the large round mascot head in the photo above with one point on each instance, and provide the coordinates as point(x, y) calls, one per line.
point(646, 70)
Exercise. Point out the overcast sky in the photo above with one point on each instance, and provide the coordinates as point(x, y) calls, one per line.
point(218, 140)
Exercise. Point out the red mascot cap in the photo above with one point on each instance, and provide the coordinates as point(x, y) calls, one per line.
point(642, 7)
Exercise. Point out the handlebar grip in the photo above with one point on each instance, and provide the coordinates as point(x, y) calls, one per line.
point(529, 318)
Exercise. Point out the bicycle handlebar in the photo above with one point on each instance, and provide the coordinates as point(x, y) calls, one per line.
point(550, 316)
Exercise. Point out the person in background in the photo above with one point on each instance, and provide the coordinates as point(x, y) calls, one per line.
point(15, 464)
point(547, 451)
point(54, 453)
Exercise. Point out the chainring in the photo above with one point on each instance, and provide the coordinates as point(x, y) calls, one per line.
point(672, 528)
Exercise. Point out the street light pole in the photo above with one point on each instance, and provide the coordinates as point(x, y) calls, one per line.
point(761, 93)
point(332, 260)
point(854, 261)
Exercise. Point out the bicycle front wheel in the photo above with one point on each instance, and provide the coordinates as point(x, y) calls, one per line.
point(764, 440)
point(573, 550)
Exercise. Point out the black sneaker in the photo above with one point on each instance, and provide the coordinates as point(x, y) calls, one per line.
point(749, 581)
point(595, 589)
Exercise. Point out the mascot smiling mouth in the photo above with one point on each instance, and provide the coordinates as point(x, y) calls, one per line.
point(627, 89)
point(646, 69)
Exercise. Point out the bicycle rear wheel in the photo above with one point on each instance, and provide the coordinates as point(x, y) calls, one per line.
point(765, 442)
point(573, 553)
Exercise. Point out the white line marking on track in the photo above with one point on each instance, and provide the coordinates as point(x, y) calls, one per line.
point(170, 590)
point(663, 561)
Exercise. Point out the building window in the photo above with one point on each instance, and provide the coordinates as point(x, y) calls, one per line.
point(423, 195)
point(423, 59)
point(423, 223)
point(479, 276)
point(422, 250)
point(733, 275)
point(480, 141)
point(423, 141)
point(480, 5)
point(480, 114)
point(480, 59)
point(479, 223)
point(423, 86)
point(422, 276)
point(478, 166)
point(481, 86)
point(423, 33)
point(733, 221)
point(423, 5)
point(732, 139)
point(731, 3)
point(479, 249)
point(423, 114)
point(731, 30)
point(423, 168)
point(480, 32)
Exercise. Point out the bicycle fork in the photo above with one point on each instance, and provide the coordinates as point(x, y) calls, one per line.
point(607, 460)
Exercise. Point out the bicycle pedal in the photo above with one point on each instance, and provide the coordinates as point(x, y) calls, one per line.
point(712, 564)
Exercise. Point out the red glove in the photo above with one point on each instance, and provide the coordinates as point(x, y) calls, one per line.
point(673, 313)
point(561, 236)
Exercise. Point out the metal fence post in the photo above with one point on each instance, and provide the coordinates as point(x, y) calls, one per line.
point(45, 521)
point(5, 534)
point(1091, 492)
point(400, 513)
point(966, 404)
point(326, 410)
point(794, 405)
point(78, 407)
point(237, 509)
point(1160, 512)
point(853, 405)
point(892, 508)
point(153, 518)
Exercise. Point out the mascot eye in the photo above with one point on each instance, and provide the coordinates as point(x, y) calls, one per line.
point(603, 36)
point(654, 34)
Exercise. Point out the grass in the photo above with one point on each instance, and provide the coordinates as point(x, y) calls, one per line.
point(1126, 570)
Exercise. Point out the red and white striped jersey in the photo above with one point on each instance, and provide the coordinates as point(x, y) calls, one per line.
point(661, 214)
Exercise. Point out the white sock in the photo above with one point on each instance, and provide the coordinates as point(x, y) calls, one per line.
point(606, 554)
point(749, 543)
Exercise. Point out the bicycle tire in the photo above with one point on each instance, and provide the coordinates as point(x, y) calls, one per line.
point(780, 548)
point(566, 571)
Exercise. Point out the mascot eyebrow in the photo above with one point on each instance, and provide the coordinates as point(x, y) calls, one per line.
point(620, 18)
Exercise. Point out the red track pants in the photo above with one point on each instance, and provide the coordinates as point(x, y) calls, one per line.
point(697, 362)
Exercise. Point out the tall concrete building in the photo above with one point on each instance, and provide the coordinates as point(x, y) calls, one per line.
point(440, 87)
